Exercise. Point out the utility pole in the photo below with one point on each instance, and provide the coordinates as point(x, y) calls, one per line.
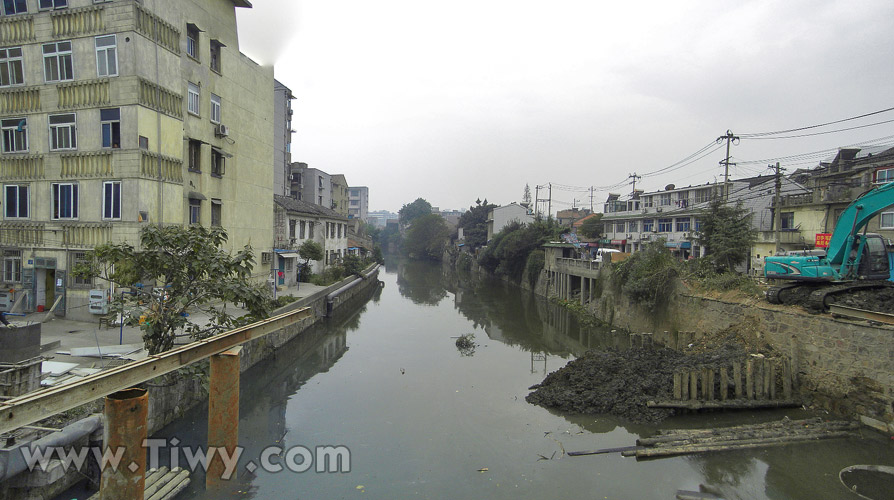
point(591, 199)
point(549, 206)
point(730, 138)
point(537, 201)
point(777, 216)
point(634, 177)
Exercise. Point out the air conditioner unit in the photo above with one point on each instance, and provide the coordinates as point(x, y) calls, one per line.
point(685, 235)
point(221, 130)
point(659, 209)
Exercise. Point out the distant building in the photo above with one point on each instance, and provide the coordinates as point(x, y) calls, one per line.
point(451, 217)
point(500, 217)
point(315, 186)
point(358, 203)
point(380, 218)
point(339, 194)
point(569, 216)
point(297, 221)
point(282, 138)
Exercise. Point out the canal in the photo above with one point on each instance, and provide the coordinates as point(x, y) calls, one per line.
point(423, 420)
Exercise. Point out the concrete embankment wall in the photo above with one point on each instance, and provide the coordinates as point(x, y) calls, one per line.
point(844, 366)
point(171, 395)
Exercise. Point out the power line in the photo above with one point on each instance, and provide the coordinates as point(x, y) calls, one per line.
point(823, 133)
point(760, 134)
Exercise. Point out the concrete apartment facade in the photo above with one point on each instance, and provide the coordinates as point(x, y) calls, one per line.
point(314, 186)
point(340, 194)
point(282, 138)
point(358, 202)
point(116, 115)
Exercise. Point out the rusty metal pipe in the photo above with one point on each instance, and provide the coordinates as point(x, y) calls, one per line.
point(125, 427)
point(223, 414)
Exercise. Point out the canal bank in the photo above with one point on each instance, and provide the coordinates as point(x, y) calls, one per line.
point(171, 395)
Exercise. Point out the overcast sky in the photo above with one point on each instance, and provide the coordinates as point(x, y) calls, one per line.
point(453, 101)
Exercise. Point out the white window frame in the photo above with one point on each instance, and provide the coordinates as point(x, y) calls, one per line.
point(890, 217)
point(54, 4)
point(106, 56)
point(14, 140)
point(111, 207)
point(192, 43)
point(215, 108)
point(12, 266)
point(57, 60)
point(110, 124)
point(12, 67)
point(62, 132)
point(195, 211)
point(73, 200)
point(16, 204)
point(889, 175)
point(24, 2)
point(193, 101)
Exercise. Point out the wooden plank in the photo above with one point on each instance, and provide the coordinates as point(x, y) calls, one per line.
point(724, 384)
point(678, 394)
point(704, 377)
point(693, 384)
point(729, 404)
point(34, 406)
point(786, 379)
point(737, 379)
point(684, 386)
point(710, 384)
point(749, 379)
point(759, 378)
point(771, 379)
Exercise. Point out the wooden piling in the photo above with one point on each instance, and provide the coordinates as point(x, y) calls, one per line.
point(724, 384)
point(693, 384)
point(684, 385)
point(737, 379)
point(678, 391)
point(759, 378)
point(710, 385)
point(786, 379)
point(749, 379)
point(771, 379)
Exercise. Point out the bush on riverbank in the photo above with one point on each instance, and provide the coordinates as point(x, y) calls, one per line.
point(649, 276)
point(508, 252)
point(349, 266)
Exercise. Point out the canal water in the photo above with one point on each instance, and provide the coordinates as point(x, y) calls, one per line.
point(423, 420)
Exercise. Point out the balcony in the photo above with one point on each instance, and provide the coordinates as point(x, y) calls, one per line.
point(153, 28)
point(84, 164)
point(86, 234)
point(786, 236)
point(160, 99)
point(796, 199)
point(153, 166)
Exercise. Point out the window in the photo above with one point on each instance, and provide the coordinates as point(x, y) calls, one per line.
point(195, 211)
point(215, 212)
point(194, 156)
point(665, 225)
point(192, 103)
point(702, 195)
point(15, 135)
point(106, 55)
point(15, 202)
point(302, 233)
point(215, 55)
point(698, 223)
point(52, 4)
point(65, 201)
point(886, 175)
point(63, 134)
point(11, 69)
point(620, 227)
point(683, 224)
point(192, 41)
point(217, 162)
point(648, 225)
point(79, 259)
point(57, 65)
point(887, 221)
point(647, 202)
point(144, 142)
point(320, 200)
point(111, 200)
point(12, 266)
point(787, 220)
point(110, 123)
point(15, 7)
point(632, 226)
point(292, 224)
point(215, 108)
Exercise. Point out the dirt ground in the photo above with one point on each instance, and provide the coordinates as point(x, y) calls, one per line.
point(620, 382)
point(871, 300)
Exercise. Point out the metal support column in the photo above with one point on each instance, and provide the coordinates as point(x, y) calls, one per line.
point(223, 412)
point(125, 427)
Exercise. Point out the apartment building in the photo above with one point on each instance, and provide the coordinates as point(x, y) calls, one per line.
point(358, 202)
point(675, 214)
point(282, 139)
point(297, 221)
point(340, 194)
point(116, 114)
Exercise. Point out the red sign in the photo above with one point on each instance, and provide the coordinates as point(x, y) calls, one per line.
point(822, 240)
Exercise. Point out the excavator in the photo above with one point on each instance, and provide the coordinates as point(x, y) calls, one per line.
point(853, 261)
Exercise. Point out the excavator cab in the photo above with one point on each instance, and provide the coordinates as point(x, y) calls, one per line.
point(874, 264)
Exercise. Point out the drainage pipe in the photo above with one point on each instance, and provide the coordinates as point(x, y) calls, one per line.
point(12, 460)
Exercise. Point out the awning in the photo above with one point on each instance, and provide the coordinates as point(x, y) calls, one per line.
point(678, 244)
point(195, 195)
point(618, 242)
point(221, 152)
point(289, 255)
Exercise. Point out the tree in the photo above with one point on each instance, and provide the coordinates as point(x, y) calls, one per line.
point(592, 227)
point(726, 233)
point(309, 250)
point(526, 197)
point(426, 237)
point(410, 212)
point(474, 224)
point(509, 250)
point(181, 271)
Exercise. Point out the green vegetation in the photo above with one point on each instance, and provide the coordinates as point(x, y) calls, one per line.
point(180, 271)
point(592, 228)
point(648, 276)
point(702, 274)
point(426, 237)
point(474, 224)
point(350, 265)
point(309, 250)
point(507, 253)
point(412, 211)
point(727, 234)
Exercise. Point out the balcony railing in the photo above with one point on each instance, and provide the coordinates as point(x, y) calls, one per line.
point(19, 100)
point(84, 93)
point(68, 23)
point(21, 167)
point(87, 164)
point(86, 234)
point(16, 29)
point(786, 236)
point(21, 233)
point(151, 25)
point(171, 169)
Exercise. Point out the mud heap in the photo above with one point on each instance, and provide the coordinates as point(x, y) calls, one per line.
point(621, 382)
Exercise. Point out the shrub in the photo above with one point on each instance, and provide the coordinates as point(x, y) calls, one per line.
point(648, 276)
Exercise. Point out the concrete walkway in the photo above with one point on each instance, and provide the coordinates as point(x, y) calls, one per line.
point(59, 334)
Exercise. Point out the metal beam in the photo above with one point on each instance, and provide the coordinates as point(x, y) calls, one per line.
point(31, 407)
point(853, 312)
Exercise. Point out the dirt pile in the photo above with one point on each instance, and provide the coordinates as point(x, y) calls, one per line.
point(621, 382)
point(870, 300)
